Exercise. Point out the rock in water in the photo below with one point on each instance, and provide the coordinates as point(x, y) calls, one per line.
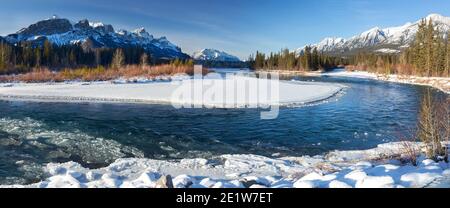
point(164, 182)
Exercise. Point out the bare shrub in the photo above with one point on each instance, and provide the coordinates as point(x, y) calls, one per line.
point(432, 127)
point(410, 152)
point(409, 149)
point(443, 117)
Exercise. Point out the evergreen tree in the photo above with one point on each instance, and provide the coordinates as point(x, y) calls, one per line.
point(37, 52)
point(5, 53)
point(47, 53)
point(315, 59)
point(190, 63)
point(259, 60)
point(447, 56)
point(98, 57)
point(307, 59)
point(430, 45)
point(72, 58)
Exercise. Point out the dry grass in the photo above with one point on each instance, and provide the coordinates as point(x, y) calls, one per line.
point(99, 73)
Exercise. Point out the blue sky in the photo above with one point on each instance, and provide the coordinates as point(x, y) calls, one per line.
point(237, 26)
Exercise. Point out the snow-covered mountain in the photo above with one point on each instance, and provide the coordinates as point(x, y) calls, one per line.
point(91, 35)
point(214, 55)
point(387, 40)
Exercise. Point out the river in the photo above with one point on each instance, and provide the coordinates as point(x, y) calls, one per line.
point(366, 113)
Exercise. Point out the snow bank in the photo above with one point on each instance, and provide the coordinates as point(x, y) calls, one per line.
point(441, 83)
point(387, 50)
point(165, 91)
point(345, 170)
point(356, 74)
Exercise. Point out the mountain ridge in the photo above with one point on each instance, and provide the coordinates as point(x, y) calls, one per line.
point(214, 55)
point(379, 40)
point(91, 35)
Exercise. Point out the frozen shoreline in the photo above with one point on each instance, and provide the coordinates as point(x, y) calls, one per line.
point(378, 167)
point(440, 83)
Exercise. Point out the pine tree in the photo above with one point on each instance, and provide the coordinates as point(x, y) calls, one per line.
point(37, 56)
point(72, 58)
point(28, 56)
point(190, 63)
point(307, 59)
point(418, 48)
point(259, 60)
point(447, 56)
point(315, 59)
point(5, 53)
point(98, 57)
point(439, 51)
point(47, 53)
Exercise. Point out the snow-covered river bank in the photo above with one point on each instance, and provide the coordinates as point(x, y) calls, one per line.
point(441, 83)
point(381, 167)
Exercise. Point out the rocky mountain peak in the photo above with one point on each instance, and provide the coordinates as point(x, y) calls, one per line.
point(47, 27)
point(214, 55)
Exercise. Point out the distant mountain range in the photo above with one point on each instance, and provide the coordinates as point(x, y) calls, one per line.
point(387, 40)
point(91, 35)
point(214, 55)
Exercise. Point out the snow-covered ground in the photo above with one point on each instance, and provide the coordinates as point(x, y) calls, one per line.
point(217, 92)
point(441, 83)
point(374, 168)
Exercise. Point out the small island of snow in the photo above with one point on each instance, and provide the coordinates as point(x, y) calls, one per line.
point(226, 93)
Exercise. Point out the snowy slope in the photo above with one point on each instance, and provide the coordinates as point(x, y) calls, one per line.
point(214, 55)
point(65, 32)
point(390, 40)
